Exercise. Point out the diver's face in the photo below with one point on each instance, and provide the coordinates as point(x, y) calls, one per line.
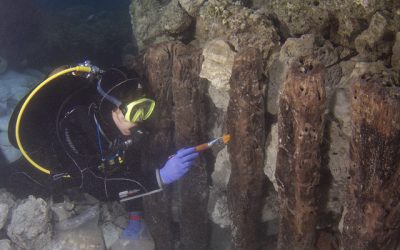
point(122, 124)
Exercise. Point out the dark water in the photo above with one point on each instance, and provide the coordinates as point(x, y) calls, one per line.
point(95, 4)
point(48, 33)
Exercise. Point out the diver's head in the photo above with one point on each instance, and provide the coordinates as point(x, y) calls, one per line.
point(123, 96)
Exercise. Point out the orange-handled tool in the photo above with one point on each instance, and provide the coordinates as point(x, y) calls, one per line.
point(216, 142)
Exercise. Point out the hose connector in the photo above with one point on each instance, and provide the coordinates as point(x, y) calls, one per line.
point(94, 70)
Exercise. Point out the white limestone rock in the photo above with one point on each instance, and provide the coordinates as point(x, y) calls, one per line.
point(271, 154)
point(222, 169)
point(114, 218)
point(114, 212)
point(6, 245)
point(270, 213)
point(111, 233)
point(220, 214)
point(4, 208)
point(30, 225)
point(62, 211)
point(217, 68)
point(7, 198)
point(361, 68)
point(297, 47)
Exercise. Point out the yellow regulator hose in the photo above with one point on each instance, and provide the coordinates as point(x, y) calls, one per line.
point(84, 69)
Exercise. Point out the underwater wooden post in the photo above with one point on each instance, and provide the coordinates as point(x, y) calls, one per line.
point(160, 144)
point(246, 125)
point(300, 129)
point(372, 218)
point(189, 93)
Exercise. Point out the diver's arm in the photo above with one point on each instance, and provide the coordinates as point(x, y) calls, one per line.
point(148, 184)
point(174, 169)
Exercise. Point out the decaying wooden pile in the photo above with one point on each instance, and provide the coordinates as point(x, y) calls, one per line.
point(246, 124)
point(373, 203)
point(161, 144)
point(372, 220)
point(300, 124)
point(190, 116)
point(172, 71)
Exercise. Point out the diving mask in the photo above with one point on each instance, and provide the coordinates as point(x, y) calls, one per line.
point(134, 111)
point(138, 110)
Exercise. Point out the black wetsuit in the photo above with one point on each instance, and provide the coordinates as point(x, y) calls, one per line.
point(64, 132)
point(96, 156)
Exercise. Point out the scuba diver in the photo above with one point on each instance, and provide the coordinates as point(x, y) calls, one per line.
point(83, 127)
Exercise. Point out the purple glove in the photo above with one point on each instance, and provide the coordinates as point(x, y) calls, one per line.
point(135, 226)
point(178, 165)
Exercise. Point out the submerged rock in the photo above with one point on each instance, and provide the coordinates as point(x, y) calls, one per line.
point(153, 22)
point(238, 25)
point(114, 219)
point(270, 213)
point(30, 226)
point(220, 213)
point(111, 233)
point(6, 245)
point(62, 211)
point(341, 20)
point(191, 6)
point(36, 224)
point(348, 28)
point(298, 17)
point(373, 43)
point(271, 153)
point(4, 208)
point(217, 68)
point(7, 198)
point(396, 53)
point(79, 232)
point(217, 204)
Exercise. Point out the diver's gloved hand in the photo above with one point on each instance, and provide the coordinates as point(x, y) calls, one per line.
point(178, 165)
point(135, 226)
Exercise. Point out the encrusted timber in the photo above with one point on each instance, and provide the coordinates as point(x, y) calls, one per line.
point(246, 124)
point(372, 220)
point(300, 128)
point(190, 115)
point(158, 70)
